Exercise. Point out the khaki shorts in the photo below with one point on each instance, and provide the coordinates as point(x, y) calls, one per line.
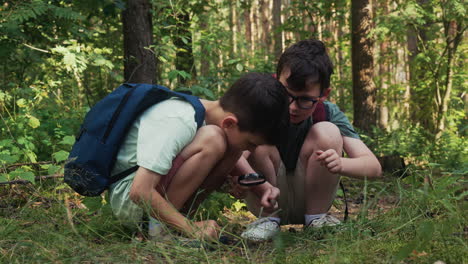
point(129, 213)
point(292, 198)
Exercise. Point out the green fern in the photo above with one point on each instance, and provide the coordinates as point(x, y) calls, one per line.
point(26, 11)
point(65, 13)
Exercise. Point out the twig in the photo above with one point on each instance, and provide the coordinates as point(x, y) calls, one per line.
point(15, 182)
point(46, 177)
point(34, 48)
point(37, 178)
point(28, 163)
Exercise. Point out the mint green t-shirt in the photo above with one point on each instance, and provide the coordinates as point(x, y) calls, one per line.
point(153, 141)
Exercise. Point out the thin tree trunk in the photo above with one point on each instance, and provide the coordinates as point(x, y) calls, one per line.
point(384, 72)
point(266, 40)
point(256, 26)
point(248, 27)
point(139, 60)
point(364, 90)
point(454, 35)
point(278, 47)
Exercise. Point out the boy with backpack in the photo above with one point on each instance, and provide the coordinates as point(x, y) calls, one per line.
point(175, 159)
point(307, 164)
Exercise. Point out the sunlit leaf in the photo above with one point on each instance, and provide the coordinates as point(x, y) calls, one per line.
point(21, 103)
point(68, 140)
point(33, 121)
point(60, 155)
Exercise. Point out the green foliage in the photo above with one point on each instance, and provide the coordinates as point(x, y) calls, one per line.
point(213, 206)
point(58, 58)
point(419, 148)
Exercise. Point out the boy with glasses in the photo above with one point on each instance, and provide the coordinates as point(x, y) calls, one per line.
point(307, 164)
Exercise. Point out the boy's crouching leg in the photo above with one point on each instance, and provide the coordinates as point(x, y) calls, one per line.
point(199, 158)
point(319, 183)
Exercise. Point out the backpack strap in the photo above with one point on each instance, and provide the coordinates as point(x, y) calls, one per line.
point(320, 113)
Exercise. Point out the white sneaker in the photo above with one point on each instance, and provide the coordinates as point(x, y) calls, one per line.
point(261, 230)
point(326, 220)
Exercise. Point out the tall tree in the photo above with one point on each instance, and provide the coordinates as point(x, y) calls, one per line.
point(278, 36)
point(139, 60)
point(454, 29)
point(384, 69)
point(265, 22)
point(364, 90)
point(247, 6)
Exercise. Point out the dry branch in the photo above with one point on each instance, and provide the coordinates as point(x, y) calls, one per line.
point(37, 178)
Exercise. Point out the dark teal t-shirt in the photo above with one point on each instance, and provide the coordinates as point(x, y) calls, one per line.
point(290, 147)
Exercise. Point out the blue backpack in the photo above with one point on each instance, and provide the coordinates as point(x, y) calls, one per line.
point(89, 165)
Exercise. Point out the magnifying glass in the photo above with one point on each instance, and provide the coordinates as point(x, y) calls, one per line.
point(251, 179)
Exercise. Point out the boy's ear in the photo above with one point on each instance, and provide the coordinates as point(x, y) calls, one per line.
point(325, 94)
point(229, 121)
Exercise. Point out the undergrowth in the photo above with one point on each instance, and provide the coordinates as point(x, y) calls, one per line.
point(418, 219)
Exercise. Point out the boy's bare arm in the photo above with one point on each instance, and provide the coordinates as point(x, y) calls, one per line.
point(143, 192)
point(361, 162)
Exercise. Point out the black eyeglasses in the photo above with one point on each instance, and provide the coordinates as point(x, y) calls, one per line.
point(303, 102)
point(251, 179)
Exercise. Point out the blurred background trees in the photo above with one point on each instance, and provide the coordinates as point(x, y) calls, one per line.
point(399, 64)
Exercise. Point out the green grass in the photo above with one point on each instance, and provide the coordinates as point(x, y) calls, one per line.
point(422, 223)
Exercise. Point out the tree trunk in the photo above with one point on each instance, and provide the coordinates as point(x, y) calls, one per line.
point(255, 27)
point(248, 27)
point(384, 73)
point(454, 32)
point(139, 61)
point(266, 40)
point(278, 47)
point(364, 89)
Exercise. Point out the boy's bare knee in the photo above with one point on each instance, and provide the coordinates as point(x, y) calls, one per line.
point(321, 136)
point(325, 134)
point(263, 150)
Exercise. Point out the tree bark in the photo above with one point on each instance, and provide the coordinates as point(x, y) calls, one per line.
point(248, 26)
point(278, 47)
point(266, 40)
point(384, 73)
point(364, 89)
point(139, 60)
point(454, 33)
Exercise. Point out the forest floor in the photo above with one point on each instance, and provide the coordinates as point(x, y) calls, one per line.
point(389, 222)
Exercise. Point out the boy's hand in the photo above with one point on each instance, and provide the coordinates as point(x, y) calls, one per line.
point(330, 159)
point(270, 197)
point(206, 229)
